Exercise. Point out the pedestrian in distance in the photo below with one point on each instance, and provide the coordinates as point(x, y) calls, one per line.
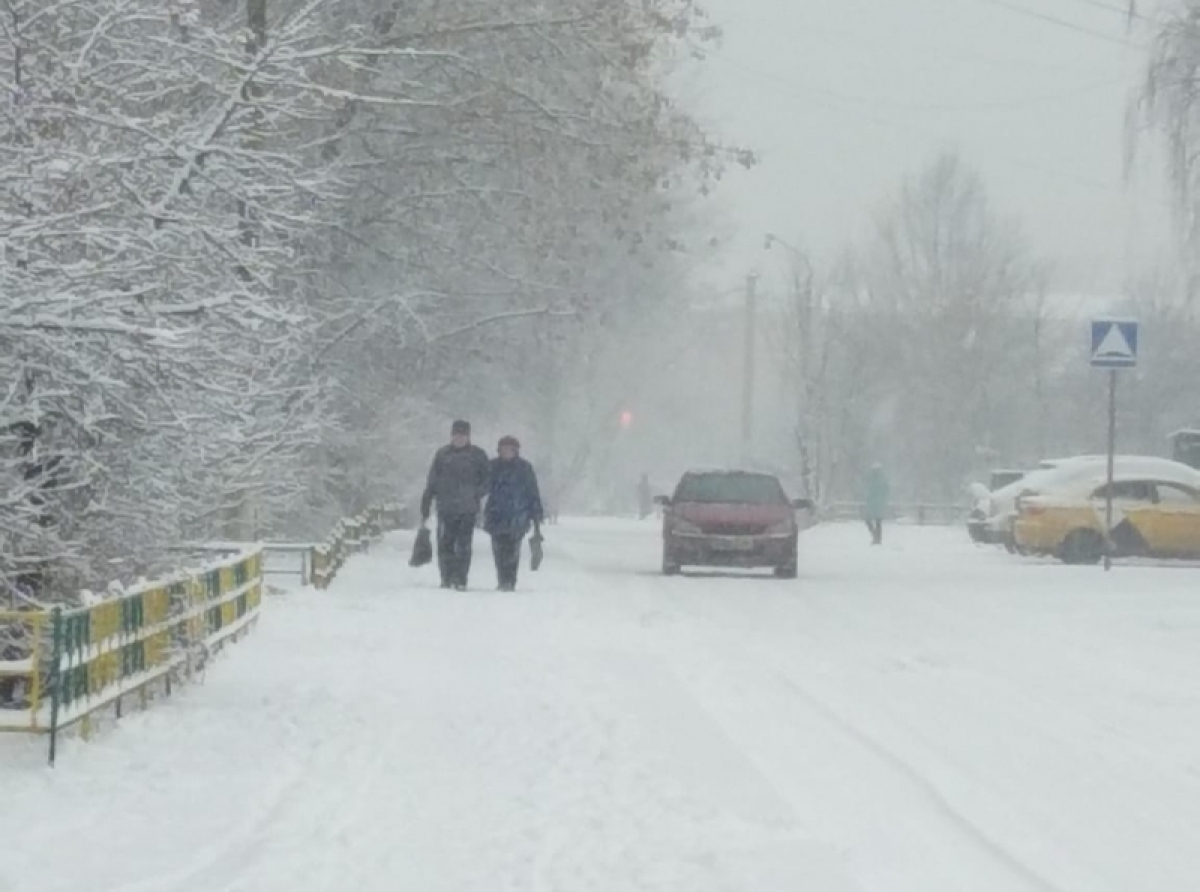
point(458, 482)
point(875, 502)
point(514, 505)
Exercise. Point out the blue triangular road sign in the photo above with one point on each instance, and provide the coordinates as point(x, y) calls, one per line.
point(1114, 343)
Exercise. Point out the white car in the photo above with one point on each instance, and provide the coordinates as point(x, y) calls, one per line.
point(985, 522)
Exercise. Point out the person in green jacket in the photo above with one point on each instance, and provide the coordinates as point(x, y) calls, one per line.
point(875, 502)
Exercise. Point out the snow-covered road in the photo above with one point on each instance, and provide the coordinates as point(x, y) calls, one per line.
point(925, 717)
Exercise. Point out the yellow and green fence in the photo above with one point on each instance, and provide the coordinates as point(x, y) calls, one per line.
point(350, 536)
point(60, 667)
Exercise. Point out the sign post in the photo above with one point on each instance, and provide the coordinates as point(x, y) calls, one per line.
point(1114, 347)
point(1112, 453)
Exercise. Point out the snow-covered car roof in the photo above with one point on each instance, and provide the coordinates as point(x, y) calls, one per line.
point(1032, 480)
point(1082, 467)
point(1125, 468)
point(1083, 487)
point(1051, 463)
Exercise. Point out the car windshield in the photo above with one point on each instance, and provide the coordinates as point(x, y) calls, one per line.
point(746, 489)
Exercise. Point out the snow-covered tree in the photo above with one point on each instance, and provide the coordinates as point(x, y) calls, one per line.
point(253, 249)
point(514, 207)
point(945, 280)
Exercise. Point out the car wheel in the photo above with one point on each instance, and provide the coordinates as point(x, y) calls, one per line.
point(669, 567)
point(788, 572)
point(1082, 547)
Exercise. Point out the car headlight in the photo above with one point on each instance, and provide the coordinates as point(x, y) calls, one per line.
point(682, 526)
point(783, 528)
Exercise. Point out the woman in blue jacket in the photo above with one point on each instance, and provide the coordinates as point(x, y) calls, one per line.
point(514, 505)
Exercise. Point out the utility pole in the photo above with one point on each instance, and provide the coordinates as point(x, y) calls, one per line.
point(748, 370)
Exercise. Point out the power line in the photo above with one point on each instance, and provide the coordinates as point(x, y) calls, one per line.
point(769, 28)
point(852, 100)
point(833, 99)
point(1127, 13)
point(1063, 23)
point(831, 104)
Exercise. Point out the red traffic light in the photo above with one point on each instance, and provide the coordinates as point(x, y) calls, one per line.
point(626, 419)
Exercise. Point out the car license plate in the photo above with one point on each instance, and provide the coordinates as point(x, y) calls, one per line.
point(734, 544)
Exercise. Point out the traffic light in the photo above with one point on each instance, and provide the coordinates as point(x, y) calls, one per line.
point(626, 420)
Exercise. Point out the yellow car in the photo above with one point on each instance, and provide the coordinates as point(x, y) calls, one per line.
point(1151, 518)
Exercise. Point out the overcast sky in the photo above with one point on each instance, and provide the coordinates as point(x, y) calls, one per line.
point(842, 98)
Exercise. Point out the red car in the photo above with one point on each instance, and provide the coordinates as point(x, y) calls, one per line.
point(730, 519)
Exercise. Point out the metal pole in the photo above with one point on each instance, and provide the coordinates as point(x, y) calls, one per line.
point(748, 370)
point(1112, 449)
point(55, 680)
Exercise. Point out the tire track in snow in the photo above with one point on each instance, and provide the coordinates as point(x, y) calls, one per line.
point(780, 853)
point(925, 786)
point(845, 627)
point(218, 864)
point(707, 809)
point(698, 617)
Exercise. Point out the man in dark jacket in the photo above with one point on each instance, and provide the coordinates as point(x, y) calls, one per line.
point(514, 504)
point(458, 481)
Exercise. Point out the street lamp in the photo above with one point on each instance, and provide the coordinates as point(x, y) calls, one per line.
point(796, 253)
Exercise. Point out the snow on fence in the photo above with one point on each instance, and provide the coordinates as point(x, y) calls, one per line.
point(315, 564)
point(350, 536)
point(279, 558)
point(59, 668)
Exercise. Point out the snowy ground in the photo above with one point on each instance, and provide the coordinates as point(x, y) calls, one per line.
point(925, 717)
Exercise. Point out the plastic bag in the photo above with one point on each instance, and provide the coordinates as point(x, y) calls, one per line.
point(535, 551)
point(422, 552)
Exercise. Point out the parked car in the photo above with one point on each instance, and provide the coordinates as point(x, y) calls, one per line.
point(731, 519)
point(1002, 477)
point(1153, 516)
point(1001, 505)
point(977, 519)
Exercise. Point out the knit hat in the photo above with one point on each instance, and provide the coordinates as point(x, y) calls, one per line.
point(460, 427)
point(509, 441)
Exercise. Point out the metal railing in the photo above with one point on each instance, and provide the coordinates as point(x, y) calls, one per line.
point(315, 563)
point(918, 513)
point(60, 667)
point(348, 537)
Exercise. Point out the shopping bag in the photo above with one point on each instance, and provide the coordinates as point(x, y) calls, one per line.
point(422, 552)
point(535, 551)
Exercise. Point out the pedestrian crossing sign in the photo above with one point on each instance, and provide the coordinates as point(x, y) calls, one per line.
point(1114, 343)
